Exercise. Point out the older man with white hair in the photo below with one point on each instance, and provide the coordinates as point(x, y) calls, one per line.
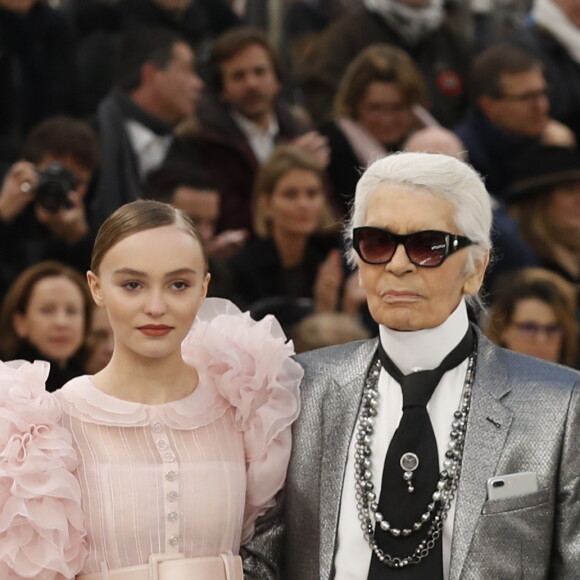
point(429, 453)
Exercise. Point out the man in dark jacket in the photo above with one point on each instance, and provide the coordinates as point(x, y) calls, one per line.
point(553, 36)
point(242, 120)
point(157, 88)
point(510, 114)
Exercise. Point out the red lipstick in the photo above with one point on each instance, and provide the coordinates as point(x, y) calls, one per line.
point(155, 329)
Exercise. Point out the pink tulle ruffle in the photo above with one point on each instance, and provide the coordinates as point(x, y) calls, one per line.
point(250, 363)
point(41, 522)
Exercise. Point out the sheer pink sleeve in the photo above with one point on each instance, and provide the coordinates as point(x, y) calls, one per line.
point(251, 364)
point(41, 521)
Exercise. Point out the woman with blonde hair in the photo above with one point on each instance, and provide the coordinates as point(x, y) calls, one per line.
point(296, 252)
point(381, 100)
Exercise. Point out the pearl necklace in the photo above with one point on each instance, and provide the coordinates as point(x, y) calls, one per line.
point(437, 510)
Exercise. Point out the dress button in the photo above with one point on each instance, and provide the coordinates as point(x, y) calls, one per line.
point(172, 516)
point(172, 495)
point(171, 476)
point(157, 427)
point(162, 444)
point(174, 540)
point(169, 457)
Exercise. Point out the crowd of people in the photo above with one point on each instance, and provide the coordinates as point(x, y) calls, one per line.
point(157, 152)
point(188, 102)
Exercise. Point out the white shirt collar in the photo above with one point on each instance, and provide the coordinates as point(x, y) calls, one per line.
point(425, 349)
point(251, 128)
point(149, 147)
point(261, 140)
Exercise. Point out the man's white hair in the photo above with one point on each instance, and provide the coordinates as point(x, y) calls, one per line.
point(441, 175)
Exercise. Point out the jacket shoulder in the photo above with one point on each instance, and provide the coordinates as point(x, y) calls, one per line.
point(340, 357)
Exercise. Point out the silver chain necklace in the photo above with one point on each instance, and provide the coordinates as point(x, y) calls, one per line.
point(366, 498)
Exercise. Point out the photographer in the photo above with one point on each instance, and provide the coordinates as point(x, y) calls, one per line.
point(42, 206)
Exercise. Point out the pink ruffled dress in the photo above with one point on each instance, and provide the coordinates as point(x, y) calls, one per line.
point(190, 476)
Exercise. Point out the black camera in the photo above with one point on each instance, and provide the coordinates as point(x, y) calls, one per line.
point(54, 184)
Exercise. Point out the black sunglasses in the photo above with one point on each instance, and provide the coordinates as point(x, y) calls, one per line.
point(427, 249)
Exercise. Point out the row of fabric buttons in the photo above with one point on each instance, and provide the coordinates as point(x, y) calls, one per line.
point(171, 487)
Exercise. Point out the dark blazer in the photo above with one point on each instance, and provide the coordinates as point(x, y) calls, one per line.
point(492, 150)
point(525, 416)
point(58, 375)
point(258, 272)
point(561, 70)
point(227, 155)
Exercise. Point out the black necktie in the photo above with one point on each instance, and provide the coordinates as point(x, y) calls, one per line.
point(414, 435)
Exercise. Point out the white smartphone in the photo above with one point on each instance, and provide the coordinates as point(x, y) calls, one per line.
point(512, 484)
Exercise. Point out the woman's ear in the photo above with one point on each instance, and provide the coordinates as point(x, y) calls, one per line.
point(95, 288)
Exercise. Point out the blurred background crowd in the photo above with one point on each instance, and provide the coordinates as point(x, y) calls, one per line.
point(256, 118)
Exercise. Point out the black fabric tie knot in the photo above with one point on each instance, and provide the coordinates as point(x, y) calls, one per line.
point(414, 436)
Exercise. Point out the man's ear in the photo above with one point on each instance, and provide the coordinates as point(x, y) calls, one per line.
point(474, 281)
point(487, 105)
point(148, 72)
point(95, 288)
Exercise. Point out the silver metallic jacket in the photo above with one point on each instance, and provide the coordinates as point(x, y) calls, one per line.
point(525, 416)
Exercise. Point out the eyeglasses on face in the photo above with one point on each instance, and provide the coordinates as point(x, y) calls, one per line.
point(532, 330)
point(527, 97)
point(428, 249)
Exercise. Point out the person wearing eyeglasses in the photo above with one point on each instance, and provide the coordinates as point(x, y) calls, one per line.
point(533, 311)
point(510, 113)
point(430, 452)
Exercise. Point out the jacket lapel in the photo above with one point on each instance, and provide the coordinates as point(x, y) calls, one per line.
point(339, 414)
point(488, 425)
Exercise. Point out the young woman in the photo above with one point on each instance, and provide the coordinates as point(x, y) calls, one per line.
point(46, 315)
point(296, 249)
point(180, 444)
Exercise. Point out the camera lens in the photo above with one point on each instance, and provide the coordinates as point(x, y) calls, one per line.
point(55, 183)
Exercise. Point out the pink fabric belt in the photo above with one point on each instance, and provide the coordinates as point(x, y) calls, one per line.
point(176, 567)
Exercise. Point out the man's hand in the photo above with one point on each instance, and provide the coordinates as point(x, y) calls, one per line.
point(316, 145)
point(17, 190)
point(558, 135)
point(68, 224)
point(225, 245)
point(354, 296)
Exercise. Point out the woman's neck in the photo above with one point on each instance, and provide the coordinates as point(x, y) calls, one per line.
point(147, 381)
point(291, 248)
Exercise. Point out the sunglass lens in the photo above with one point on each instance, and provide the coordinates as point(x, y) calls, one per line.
point(376, 246)
point(427, 248)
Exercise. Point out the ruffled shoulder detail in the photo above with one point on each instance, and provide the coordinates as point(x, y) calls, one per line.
point(251, 365)
point(42, 533)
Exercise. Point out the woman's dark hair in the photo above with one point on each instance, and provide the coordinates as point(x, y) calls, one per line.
point(18, 296)
point(539, 284)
